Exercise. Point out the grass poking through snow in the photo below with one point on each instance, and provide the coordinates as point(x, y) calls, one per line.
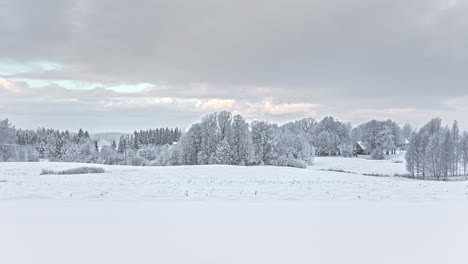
point(80, 170)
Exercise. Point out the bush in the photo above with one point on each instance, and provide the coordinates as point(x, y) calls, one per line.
point(346, 151)
point(377, 154)
point(284, 161)
point(80, 170)
point(138, 161)
point(33, 155)
point(376, 174)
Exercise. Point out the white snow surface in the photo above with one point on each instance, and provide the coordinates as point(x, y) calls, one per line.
point(395, 165)
point(229, 214)
point(218, 182)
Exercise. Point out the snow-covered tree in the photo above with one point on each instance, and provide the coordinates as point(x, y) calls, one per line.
point(109, 155)
point(379, 137)
point(81, 133)
point(224, 120)
point(330, 136)
point(464, 152)
point(7, 132)
point(114, 145)
point(210, 136)
point(434, 134)
point(406, 131)
point(264, 142)
point(240, 141)
point(191, 145)
point(295, 146)
point(455, 151)
point(222, 155)
point(437, 151)
point(395, 135)
point(375, 135)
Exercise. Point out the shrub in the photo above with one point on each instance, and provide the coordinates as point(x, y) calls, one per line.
point(284, 161)
point(340, 170)
point(376, 174)
point(33, 156)
point(138, 161)
point(377, 154)
point(80, 170)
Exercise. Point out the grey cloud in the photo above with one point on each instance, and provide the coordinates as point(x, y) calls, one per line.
point(343, 55)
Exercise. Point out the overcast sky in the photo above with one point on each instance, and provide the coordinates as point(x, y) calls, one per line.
point(114, 65)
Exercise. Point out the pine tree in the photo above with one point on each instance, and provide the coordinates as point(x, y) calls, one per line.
point(136, 141)
point(114, 145)
point(122, 144)
point(81, 133)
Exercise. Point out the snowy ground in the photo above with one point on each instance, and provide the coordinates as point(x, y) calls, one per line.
point(390, 167)
point(226, 214)
point(186, 183)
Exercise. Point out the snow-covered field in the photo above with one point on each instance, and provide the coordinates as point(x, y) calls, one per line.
point(218, 182)
point(228, 214)
point(389, 167)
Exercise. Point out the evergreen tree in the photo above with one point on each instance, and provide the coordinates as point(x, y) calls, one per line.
point(81, 133)
point(114, 145)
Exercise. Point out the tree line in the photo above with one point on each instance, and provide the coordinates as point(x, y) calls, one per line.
point(150, 137)
point(56, 145)
point(224, 138)
point(219, 138)
point(437, 152)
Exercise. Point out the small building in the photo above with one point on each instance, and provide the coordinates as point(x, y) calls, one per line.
point(403, 146)
point(359, 149)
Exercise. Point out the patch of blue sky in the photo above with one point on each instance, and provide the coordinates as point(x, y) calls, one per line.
point(79, 85)
point(10, 67)
point(130, 88)
point(68, 84)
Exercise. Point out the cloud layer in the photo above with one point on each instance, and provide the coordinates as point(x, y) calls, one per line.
point(278, 60)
